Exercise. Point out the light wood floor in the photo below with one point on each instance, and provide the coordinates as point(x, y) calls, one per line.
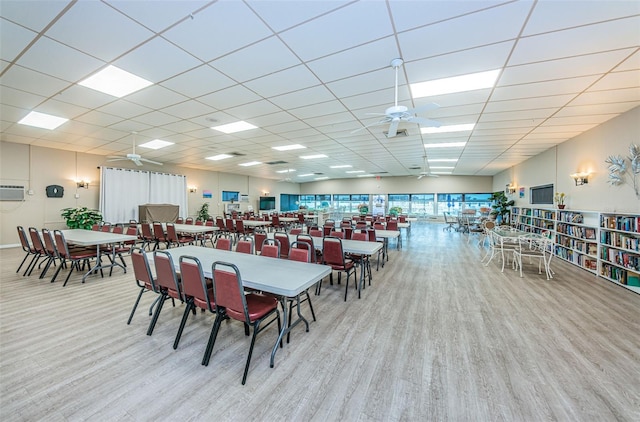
point(437, 337)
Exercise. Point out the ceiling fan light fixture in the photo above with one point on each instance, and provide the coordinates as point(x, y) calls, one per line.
point(463, 83)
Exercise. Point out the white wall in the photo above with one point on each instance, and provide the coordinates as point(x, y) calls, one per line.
point(584, 153)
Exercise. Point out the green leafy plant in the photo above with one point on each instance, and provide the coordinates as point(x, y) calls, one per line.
point(363, 208)
point(203, 212)
point(81, 217)
point(501, 206)
point(395, 211)
point(559, 197)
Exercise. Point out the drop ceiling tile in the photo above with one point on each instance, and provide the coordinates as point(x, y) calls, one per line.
point(617, 80)
point(538, 89)
point(282, 15)
point(252, 110)
point(155, 97)
point(602, 97)
point(229, 97)
point(19, 99)
point(13, 39)
point(98, 118)
point(189, 109)
point(158, 18)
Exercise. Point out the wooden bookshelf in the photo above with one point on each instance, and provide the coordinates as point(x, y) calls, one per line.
point(620, 249)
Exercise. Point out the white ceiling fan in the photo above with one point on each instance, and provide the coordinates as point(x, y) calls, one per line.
point(287, 178)
point(136, 158)
point(397, 113)
point(426, 172)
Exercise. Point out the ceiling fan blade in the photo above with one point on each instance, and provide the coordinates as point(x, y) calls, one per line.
point(378, 123)
point(138, 163)
point(393, 128)
point(114, 158)
point(421, 176)
point(148, 161)
point(423, 108)
point(424, 122)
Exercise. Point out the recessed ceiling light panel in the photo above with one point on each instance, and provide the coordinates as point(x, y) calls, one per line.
point(234, 127)
point(250, 163)
point(311, 157)
point(446, 145)
point(114, 81)
point(219, 157)
point(443, 160)
point(288, 147)
point(446, 129)
point(305, 175)
point(321, 178)
point(462, 83)
point(342, 166)
point(41, 120)
point(156, 144)
point(354, 171)
point(286, 171)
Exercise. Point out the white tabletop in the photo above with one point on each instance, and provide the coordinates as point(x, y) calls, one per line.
point(192, 228)
point(255, 223)
point(91, 237)
point(281, 277)
point(387, 234)
point(289, 219)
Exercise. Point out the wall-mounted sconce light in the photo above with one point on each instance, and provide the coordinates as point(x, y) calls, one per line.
point(83, 184)
point(510, 189)
point(193, 189)
point(580, 178)
point(265, 193)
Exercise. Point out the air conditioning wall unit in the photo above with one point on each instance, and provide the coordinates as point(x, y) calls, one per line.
point(11, 193)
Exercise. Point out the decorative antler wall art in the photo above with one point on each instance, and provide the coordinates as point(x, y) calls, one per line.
point(619, 171)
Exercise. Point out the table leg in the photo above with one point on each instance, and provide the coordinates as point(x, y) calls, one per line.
point(286, 328)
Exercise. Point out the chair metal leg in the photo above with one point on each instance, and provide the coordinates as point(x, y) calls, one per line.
point(212, 338)
point(189, 306)
point(22, 263)
point(156, 314)
point(135, 306)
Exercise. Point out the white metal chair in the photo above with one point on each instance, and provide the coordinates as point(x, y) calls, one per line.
point(534, 246)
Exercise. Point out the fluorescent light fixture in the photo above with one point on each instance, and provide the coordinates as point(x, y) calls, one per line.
point(321, 178)
point(446, 129)
point(443, 160)
point(440, 172)
point(156, 144)
point(462, 83)
point(286, 171)
point(41, 120)
point(305, 175)
point(250, 163)
point(234, 127)
point(310, 157)
point(441, 167)
point(219, 157)
point(445, 145)
point(114, 81)
point(342, 166)
point(289, 147)
point(354, 171)
point(365, 175)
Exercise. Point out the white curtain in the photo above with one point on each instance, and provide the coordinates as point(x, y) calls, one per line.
point(123, 190)
point(169, 189)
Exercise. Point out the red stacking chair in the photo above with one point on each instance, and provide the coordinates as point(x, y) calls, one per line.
point(66, 254)
point(333, 255)
point(245, 245)
point(144, 279)
point(27, 248)
point(166, 282)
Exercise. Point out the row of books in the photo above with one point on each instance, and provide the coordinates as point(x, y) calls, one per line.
point(624, 259)
point(629, 224)
point(577, 231)
point(549, 215)
point(579, 259)
point(620, 275)
point(578, 245)
point(620, 240)
point(571, 217)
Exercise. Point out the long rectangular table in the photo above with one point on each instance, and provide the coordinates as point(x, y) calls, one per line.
point(97, 238)
point(281, 277)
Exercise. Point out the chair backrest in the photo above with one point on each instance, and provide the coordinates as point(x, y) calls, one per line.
point(166, 278)
point(229, 225)
point(300, 251)
point(118, 230)
point(348, 232)
point(259, 236)
point(334, 233)
point(199, 223)
point(283, 238)
point(402, 218)
point(220, 223)
point(488, 225)
point(295, 231)
point(371, 235)
point(223, 242)
point(95, 227)
point(228, 291)
point(315, 232)
point(392, 225)
point(361, 224)
point(189, 220)
point(301, 218)
point(172, 235)
point(49, 243)
point(142, 269)
point(275, 220)
point(240, 226)
point(332, 252)
point(146, 230)
point(378, 225)
point(179, 220)
point(158, 232)
point(245, 245)
point(360, 236)
point(131, 231)
point(24, 240)
point(61, 243)
point(194, 284)
point(305, 238)
point(36, 240)
point(271, 248)
point(209, 223)
point(106, 227)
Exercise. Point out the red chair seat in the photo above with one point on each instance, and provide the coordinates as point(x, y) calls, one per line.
point(259, 305)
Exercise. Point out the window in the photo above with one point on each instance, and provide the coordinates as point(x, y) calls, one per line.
point(449, 202)
point(414, 204)
point(348, 204)
point(541, 194)
point(314, 202)
point(477, 200)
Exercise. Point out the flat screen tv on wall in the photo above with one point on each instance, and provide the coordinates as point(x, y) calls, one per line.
point(541, 194)
point(230, 196)
point(267, 203)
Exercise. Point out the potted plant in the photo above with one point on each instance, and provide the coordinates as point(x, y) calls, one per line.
point(81, 217)
point(363, 208)
point(559, 198)
point(203, 212)
point(395, 211)
point(501, 206)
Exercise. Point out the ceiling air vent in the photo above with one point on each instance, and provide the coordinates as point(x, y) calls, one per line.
point(399, 134)
point(415, 168)
point(378, 172)
point(273, 163)
point(237, 154)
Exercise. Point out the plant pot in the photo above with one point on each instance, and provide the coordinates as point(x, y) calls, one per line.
point(561, 206)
